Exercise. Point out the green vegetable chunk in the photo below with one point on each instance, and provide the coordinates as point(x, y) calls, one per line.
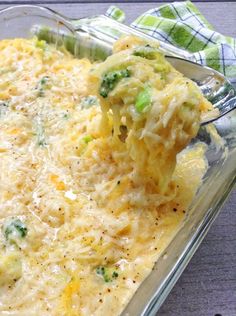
point(41, 44)
point(87, 139)
point(14, 229)
point(110, 80)
point(42, 85)
point(159, 64)
point(143, 100)
point(147, 52)
point(106, 273)
point(115, 275)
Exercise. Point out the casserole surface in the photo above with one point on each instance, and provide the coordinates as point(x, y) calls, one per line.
point(79, 231)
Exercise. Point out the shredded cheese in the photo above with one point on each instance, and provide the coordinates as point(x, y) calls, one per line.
point(89, 228)
point(159, 107)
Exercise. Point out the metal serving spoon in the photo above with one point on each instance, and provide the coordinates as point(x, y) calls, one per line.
point(214, 86)
point(102, 32)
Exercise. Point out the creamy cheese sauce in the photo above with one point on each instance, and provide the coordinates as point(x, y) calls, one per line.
point(79, 230)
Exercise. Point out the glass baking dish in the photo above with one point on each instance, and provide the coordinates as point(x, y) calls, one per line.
point(93, 38)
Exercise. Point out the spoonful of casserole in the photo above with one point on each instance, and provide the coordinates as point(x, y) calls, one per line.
point(151, 107)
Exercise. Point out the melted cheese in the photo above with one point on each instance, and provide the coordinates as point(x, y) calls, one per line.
point(93, 230)
point(159, 107)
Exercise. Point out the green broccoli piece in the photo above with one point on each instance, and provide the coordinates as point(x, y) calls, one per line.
point(152, 53)
point(102, 271)
point(14, 229)
point(147, 52)
point(110, 80)
point(42, 85)
point(115, 275)
point(143, 100)
point(41, 44)
point(87, 139)
point(106, 273)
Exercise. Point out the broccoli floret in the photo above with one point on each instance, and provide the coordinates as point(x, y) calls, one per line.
point(110, 80)
point(40, 44)
point(102, 271)
point(115, 275)
point(143, 100)
point(107, 274)
point(87, 139)
point(152, 53)
point(42, 85)
point(147, 52)
point(14, 229)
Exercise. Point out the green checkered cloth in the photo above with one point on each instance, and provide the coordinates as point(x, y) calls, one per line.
point(181, 24)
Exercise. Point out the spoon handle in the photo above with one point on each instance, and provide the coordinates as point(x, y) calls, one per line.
point(110, 30)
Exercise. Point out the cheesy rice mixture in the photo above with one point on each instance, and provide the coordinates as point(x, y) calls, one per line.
point(90, 192)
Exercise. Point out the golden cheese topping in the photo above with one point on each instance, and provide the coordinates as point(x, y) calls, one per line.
point(79, 229)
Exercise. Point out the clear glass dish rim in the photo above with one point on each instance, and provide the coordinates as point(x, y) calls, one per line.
point(161, 292)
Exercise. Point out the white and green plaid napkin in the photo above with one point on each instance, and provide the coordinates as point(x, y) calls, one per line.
point(182, 24)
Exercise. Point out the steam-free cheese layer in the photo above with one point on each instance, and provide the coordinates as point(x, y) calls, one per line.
point(80, 228)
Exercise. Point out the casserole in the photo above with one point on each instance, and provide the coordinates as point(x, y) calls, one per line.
point(205, 205)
